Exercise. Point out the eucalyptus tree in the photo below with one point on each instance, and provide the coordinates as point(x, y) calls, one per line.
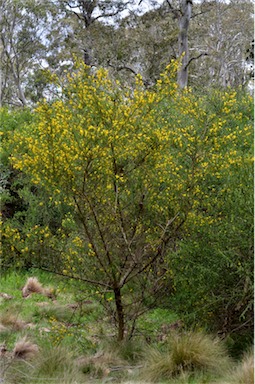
point(211, 37)
point(224, 34)
point(89, 13)
point(22, 31)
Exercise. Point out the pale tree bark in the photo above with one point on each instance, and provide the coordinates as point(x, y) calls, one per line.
point(183, 15)
point(1, 77)
point(9, 56)
point(184, 21)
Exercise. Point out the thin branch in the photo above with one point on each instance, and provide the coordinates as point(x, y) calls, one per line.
point(101, 235)
point(94, 282)
point(242, 325)
point(118, 208)
point(176, 12)
point(200, 13)
point(120, 68)
point(163, 242)
point(195, 58)
point(90, 237)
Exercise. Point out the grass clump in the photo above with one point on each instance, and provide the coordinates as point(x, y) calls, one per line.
point(187, 352)
point(55, 365)
point(25, 349)
point(99, 365)
point(58, 312)
point(55, 361)
point(244, 372)
point(131, 351)
point(114, 360)
point(10, 319)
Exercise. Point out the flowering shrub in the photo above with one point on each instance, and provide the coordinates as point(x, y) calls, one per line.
point(139, 170)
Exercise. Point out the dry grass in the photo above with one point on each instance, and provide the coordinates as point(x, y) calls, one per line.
point(101, 364)
point(186, 352)
point(244, 372)
point(10, 320)
point(25, 349)
point(50, 365)
point(34, 286)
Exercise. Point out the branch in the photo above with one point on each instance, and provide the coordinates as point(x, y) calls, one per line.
point(242, 325)
point(118, 208)
point(108, 14)
point(200, 13)
point(195, 58)
point(94, 282)
point(176, 12)
point(120, 68)
point(90, 237)
point(109, 259)
point(163, 242)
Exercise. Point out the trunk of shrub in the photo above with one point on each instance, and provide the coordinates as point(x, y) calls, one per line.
point(119, 313)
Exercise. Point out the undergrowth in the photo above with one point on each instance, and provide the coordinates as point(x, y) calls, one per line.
point(74, 342)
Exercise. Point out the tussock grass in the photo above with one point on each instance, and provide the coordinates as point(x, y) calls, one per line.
point(55, 362)
point(51, 365)
point(99, 365)
point(25, 349)
point(190, 352)
point(131, 351)
point(244, 372)
point(115, 359)
point(11, 320)
point(57, 311)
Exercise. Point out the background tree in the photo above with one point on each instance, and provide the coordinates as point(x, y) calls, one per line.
point(22, 33)
point(218, 33)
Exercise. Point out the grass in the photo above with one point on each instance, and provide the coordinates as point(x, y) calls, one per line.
point(244, 372)
point(187, 353)
point(54, 365)
point(70, 340)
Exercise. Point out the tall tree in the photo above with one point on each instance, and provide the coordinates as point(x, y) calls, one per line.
point(22, 26)
point(183, 15)
point(90, 11)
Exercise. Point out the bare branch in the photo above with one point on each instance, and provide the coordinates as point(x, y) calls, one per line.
point(121, 67)
point(94, 282)
point(196, 58)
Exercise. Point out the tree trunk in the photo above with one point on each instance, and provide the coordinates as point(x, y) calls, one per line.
point(184, 19)
point(120, 313)
point(21, 95)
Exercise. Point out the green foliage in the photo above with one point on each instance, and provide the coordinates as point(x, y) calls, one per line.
point(152, 323)
point(144, 193)
point(28, 215)
point(57, 312)
point(213, 266)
